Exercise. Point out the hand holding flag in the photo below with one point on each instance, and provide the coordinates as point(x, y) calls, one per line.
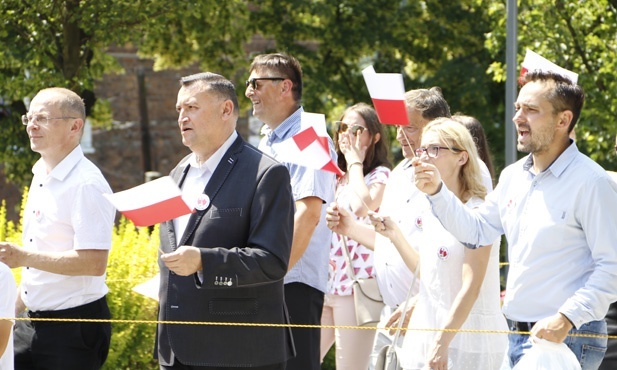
point(151, 203)
point(388, 95)
point(309, 147)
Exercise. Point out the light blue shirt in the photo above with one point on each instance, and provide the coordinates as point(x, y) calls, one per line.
point(561, 227)
point(312, 268)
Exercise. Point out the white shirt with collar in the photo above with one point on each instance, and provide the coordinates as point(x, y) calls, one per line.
point(560, 227)
point(65, 211)
point(196, 179)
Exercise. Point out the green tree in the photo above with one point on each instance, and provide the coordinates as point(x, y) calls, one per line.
point(581, 39)
point(433, 43)
point(63, 43)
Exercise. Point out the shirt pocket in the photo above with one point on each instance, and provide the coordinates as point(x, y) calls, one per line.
point(225, 213)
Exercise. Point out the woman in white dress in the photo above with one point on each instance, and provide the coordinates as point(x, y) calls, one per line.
point(459, 287)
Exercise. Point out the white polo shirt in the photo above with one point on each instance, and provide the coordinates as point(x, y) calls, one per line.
point(65, 210)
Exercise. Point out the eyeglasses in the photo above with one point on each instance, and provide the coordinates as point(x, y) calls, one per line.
point(433, 150)
point(252, 81)
point(343, 127)
point(39, 120)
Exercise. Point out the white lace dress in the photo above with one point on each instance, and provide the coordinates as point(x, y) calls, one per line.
point(441, 257)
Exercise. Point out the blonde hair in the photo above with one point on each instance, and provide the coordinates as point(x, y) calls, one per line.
point(456, 136)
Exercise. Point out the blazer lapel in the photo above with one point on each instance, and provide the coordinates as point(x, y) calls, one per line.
point(222, 171)
point(178, 177)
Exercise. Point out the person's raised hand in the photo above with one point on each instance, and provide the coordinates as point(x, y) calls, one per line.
point(427, 177)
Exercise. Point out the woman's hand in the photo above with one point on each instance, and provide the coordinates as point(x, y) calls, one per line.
point(351, 148)
point(397, 314)
point(427, 177)
point(338, 219)
point(384, 225)
point(438, 357)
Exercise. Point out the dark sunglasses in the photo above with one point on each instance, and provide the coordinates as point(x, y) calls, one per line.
point(252, 81)
point(343, 127)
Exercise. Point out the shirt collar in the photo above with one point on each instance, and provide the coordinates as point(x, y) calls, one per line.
point(560, 164)
point(284, 130)
point(212, 162)
point(62, 169)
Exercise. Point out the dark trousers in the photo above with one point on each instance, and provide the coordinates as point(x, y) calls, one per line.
point(50, 345)
point(305, 304)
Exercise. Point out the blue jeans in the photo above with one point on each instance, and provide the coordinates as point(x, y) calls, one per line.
point(589, 351)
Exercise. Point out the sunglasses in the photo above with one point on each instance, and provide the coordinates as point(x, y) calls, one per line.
point(252, 81)
point(355, 129)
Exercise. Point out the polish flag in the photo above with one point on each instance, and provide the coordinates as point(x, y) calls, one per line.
point(534, 61)
point(151, 203)
point(388, 95)
point(309, 147)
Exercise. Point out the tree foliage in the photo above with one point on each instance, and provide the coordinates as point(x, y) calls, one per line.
point(582, 39)
point(459, 46)
point(57, 43)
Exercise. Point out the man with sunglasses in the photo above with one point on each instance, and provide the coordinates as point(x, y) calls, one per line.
point(275, 89)
point(66, 241)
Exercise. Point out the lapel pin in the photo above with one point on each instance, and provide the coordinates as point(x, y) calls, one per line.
point(203, 201)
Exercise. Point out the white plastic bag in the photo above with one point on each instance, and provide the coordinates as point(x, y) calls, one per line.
point(546, 355)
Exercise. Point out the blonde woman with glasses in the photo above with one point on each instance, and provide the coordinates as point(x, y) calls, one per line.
point(459, 287)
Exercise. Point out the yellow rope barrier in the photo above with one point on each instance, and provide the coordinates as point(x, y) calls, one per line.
point(124, 321)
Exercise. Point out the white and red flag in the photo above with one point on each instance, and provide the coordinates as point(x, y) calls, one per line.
point(388, 95)
point(151, 203)
point(309, 147)
point(534, 61)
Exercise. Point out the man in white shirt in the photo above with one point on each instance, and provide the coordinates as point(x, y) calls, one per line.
point(557, 210)
point(67, 231)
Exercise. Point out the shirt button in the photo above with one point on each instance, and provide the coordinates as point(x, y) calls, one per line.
point(40, 185)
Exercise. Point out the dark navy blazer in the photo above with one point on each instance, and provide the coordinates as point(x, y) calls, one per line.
point(245, 237)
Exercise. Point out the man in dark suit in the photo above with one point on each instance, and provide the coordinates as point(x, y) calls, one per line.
point(225, 262)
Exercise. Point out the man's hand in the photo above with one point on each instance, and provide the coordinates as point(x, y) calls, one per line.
point(554, 328)
point(184, 261)
point(11, 254)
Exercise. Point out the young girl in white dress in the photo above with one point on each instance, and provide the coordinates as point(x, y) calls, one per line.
point(459, 287)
